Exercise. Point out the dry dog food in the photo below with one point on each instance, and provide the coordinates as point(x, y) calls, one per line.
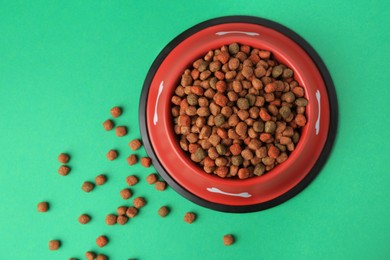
point(163, 211)
point(108, 125)
point(151, 178)
point(189, 217)
point(228, 240)
point(111, 219)
point(139, 202)
point(101, 257)
point(125, 194)
point(131, 212)
point(100, 179)
point(112, 155)
point(135, 144)
point(84, 219)
point(121, 210)
point(63, 158)
point(146, 162)
point(120, 131)
point(90, 255)
point(43, 206)
point(101, 241)
point(238, 112)
point(87, 186)
point(122, 219)
point(54, 244)
point(132, 159)
point(63, 170)
point(116, 112)
point(160, 185)
point(132, 180)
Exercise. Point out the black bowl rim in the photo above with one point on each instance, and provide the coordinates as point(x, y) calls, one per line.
point(332, 123)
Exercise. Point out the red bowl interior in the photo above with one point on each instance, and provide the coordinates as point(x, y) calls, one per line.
point(234, 191)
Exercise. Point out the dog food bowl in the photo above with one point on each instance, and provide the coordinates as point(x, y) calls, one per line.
point(235, 195)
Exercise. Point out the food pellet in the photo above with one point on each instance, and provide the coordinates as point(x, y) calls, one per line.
point(151, 178)
point(100, 179)
point(121, 210)
point(116, 111)
point(84, 219)
point(101, 241)
point(87, 186)
point(120, 131)
point(135, 144)
point(189, 217)
point(112, 155)
point(132, 159)
point(228, 240)
point(146, 162)
point(111, 219)
point(43, 206)
point(230, 107)
point(131, 212)
point(163, 211)
point(132, 180)
point(101, 257)
point(63, 158)
point(108, 125)
point(90, 255)
point(122, 219)
point(54, 244)
point(63, 170)
point(125, 194)
point(160, 185)
point(139, 202)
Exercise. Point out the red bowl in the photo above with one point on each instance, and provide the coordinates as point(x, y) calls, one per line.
point(234, 195)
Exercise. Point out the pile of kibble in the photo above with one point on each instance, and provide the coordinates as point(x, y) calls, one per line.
point(123, 213)
point(238, 112)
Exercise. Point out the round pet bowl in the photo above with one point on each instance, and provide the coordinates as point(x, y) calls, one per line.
point(234, 195)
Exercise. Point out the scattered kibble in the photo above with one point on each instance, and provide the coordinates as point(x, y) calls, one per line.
point(63, 158)
point(108, 125)
point(189, 217)
point(146, 162)
point(112, 155)
point(122, 219)
point(90, 255)
point(125, 194)
point(64, 170)
point(87, 186)
point(100, 179)
point(139, 202)
point(131, 212)
point(151, 178)
point(116, 111)
point(132, 159)
point(160, 185)
point(121, 131)
point(84, 219)
point(228, 240)
point(135, 144)
point(101, 241)
point(54, 244)
point(111, 219)
point(43, 206)
point(132, 180)
point(121, 210)
point(101, 257)
point(163, 211)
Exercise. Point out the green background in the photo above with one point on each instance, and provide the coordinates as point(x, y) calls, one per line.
point(64, 64)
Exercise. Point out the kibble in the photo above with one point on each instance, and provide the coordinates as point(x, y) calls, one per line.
point(87, 186)
point(132, 159)
point(84, 219)
point(135, 144)
point(163, 211)
point(151, 178)
point(101, 241)
point(108, 125)
point(125, 194)
point(120, 131)
point(160, 185)
point(146, 162)
point(131, 212)
point(63, 170)
point(228, 240)
point(122, 219)
point(100, 179)
point(132, 180)
point(101, 257)
point(230, 110)
point(121, 210)
point(54, 244)
point(63, 158)
point(116, 112)
point(112, 155)
point(189, 217)
point(111, 219)
point(90, 255)
point(43, 206)
point(139, 202)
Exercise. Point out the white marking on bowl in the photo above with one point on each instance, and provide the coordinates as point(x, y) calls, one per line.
point(247, 33)
point(160, 89)
point(317, 126)
point(243, 194)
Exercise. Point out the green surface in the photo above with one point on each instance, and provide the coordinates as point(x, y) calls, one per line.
point(64, 65)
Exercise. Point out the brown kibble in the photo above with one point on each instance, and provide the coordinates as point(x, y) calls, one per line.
point(108, 125)
point(160, 185)
point(241, 129)
point(298, 91)
point(247, 72)
point(43, 206)
point(132, 159)
point(222, 171)
point(223, 57)
point(285, 140)
point(135, 144)
point(151, 178)
point(300, 120)
point(132, 180)
point(264, 115)
point(220, 99)
point(121, 210)
point(273, 152)
point(100, 179)
point(101, 241)
point(125, 193)
point(90, 255)
point(120, 131)
point(189, 217)
point(101, 257)
point(63, 158)
point(122, 219)
point(111, 219)
point(87, 186)
point(112, 155)
point(228, 240)
point(235, 149)
point(116, 112)
point(131, 212)
point(139, 202)
point(64, 170)
point(84, 219)
point(146, 162)
point(243, 173)
point(163, 211)
point(54, 244)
